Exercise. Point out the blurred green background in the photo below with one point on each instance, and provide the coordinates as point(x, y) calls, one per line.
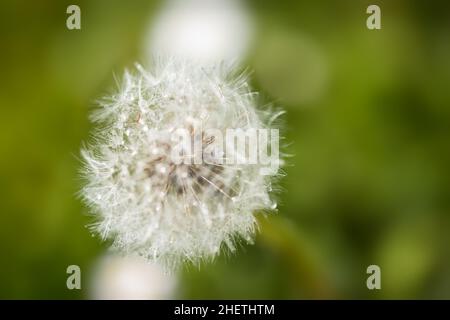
point(368, 125)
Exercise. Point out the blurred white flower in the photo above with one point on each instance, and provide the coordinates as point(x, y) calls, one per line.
point(130, 278)
point(204, 30)
point(148, 204)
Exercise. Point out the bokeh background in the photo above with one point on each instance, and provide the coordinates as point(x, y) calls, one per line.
point(367, 125)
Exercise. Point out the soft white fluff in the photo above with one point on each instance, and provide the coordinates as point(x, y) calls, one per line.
point(146, 204)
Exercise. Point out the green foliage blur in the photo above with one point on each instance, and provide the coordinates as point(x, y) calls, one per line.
point(367, 128)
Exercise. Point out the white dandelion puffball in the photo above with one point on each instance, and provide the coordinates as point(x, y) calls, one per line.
point(130, 278)
point(150, 203)
point(204, 30)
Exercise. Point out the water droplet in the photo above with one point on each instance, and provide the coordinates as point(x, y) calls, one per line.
point(163, 169)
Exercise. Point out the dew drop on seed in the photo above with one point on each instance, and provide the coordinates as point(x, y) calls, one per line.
point(163, 169)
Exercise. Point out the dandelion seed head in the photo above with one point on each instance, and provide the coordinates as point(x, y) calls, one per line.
point(116, 277)
point(146, 203)
point(204, 30)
